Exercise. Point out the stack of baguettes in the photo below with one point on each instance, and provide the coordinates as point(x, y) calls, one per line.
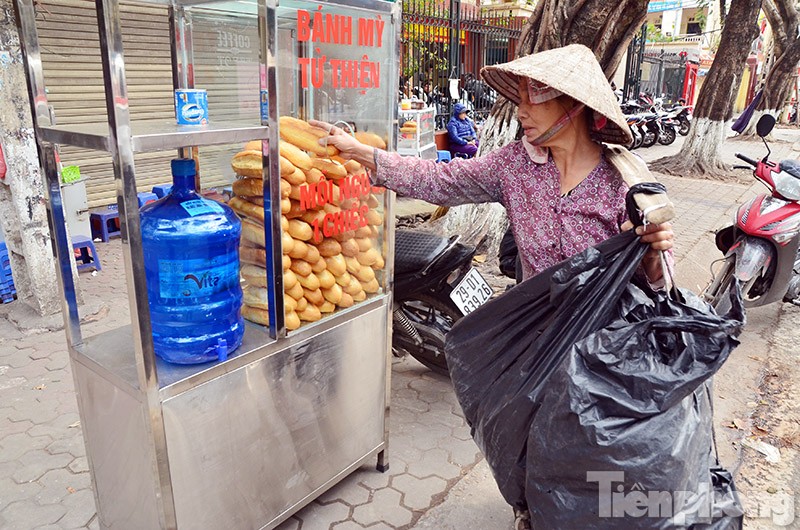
point(320, 274)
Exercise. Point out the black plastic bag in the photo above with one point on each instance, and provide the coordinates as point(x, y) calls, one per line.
point(580, 370)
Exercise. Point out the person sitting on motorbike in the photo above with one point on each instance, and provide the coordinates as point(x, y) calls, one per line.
point(462, 134)
point(560, 192)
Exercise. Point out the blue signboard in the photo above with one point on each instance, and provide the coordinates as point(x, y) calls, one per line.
point(663, 5)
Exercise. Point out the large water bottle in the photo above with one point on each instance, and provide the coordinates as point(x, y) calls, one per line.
point(191, 259)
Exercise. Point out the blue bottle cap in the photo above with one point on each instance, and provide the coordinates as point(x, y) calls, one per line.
point(183, 167)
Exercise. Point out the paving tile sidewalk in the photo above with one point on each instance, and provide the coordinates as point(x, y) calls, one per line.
point(44, 479)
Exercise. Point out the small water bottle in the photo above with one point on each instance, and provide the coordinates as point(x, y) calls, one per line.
point(191, 258)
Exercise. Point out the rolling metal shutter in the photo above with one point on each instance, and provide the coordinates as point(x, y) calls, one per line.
point(74, 78)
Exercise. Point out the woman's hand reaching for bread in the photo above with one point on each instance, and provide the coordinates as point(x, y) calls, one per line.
point(349, 148)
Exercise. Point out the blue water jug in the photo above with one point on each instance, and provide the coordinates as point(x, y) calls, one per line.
point(191, 260)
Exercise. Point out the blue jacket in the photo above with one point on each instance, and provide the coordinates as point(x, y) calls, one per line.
point(458, 129)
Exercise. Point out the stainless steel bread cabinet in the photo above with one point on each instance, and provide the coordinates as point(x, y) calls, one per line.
point(248, 441)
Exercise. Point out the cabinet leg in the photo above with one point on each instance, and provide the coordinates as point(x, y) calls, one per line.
point(383, 462)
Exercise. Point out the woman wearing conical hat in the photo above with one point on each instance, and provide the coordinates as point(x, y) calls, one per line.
point(561, 194)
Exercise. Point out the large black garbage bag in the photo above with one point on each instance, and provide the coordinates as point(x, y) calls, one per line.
point(580, 370)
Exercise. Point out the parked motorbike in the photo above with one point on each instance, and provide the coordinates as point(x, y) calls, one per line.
point(761, 245)
point(633, 125)
point(683, 115)
point(428, 268)
point(668, 129)
point(651, 129)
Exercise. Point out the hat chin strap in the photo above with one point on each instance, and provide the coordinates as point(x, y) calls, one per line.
point(557, 126)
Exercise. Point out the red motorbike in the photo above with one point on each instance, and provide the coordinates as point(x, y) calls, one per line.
point(761, 245)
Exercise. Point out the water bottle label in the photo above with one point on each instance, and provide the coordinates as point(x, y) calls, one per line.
point(201, 206)
point(188, 278)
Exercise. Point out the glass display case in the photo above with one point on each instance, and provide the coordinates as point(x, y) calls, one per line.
point(415, 135)
point(266, 426)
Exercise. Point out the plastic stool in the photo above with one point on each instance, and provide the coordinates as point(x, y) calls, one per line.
point(146, 197)
point(105, 223)
point(84, 245)
point(443, 156)
point(162, 190)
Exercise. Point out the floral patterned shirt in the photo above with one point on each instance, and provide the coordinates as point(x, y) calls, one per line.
point(547, 226)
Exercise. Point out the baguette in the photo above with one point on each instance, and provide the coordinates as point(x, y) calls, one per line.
point(246, 209)
point(248, 187)
point(310, 282)
point(304, 136)
point(289, 279)
point(253, 296)
point(327, 307)
point(364, 243)
point(254, 314)
point(360, 296)
point(371, 286)
point(302, 268)
point(350, 248)
point(365, 274)
point(286, 206)
point(289, 304)
point(353, 265)
point(370, 139)
point(314, 176)
point(315, 296)
point(292, 321)
point(345, 301)
point(254, 275)
point(294, 155)
point(326, 279)
point(333, 294)
point(364, 231)
point(295, 210)
point(253, 256)
point(319, 266)
point(254, 145)
point(300, 230)
point(336, 264)
point(344, 280)
point(310, 314)
point(312, 255)
point(253, 232)
point(329, 247)
point(330, 168)
point(295, 291)
point(248, 163)
point(368, 257)
point(287, 168)
point(287, 243)
point(379, 264)
point(301, 302)
point(296, 178)
point(286, 188)
point(374, 218)
point(353, 287)
point(287, 262)
point(299, 249)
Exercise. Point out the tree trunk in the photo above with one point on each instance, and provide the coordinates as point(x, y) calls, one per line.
point(783, 18)
point(700, 152)
point(606, 28)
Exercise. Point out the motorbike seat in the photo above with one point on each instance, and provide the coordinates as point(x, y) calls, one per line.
point(415, 250)
point(792, 167)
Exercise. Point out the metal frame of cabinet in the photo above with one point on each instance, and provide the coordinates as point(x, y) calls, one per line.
point(242, 443)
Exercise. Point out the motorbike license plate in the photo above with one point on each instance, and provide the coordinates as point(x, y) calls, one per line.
point(471, 292)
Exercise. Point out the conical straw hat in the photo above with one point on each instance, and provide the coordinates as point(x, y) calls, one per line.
point(573, 70)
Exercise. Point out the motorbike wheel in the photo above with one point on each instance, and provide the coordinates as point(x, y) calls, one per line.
point(649, 138)
point(683, 130)
point(716, 293)
point(433, 318)
point(667, 136)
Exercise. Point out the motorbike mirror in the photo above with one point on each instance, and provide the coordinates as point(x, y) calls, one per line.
point(765, 125)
